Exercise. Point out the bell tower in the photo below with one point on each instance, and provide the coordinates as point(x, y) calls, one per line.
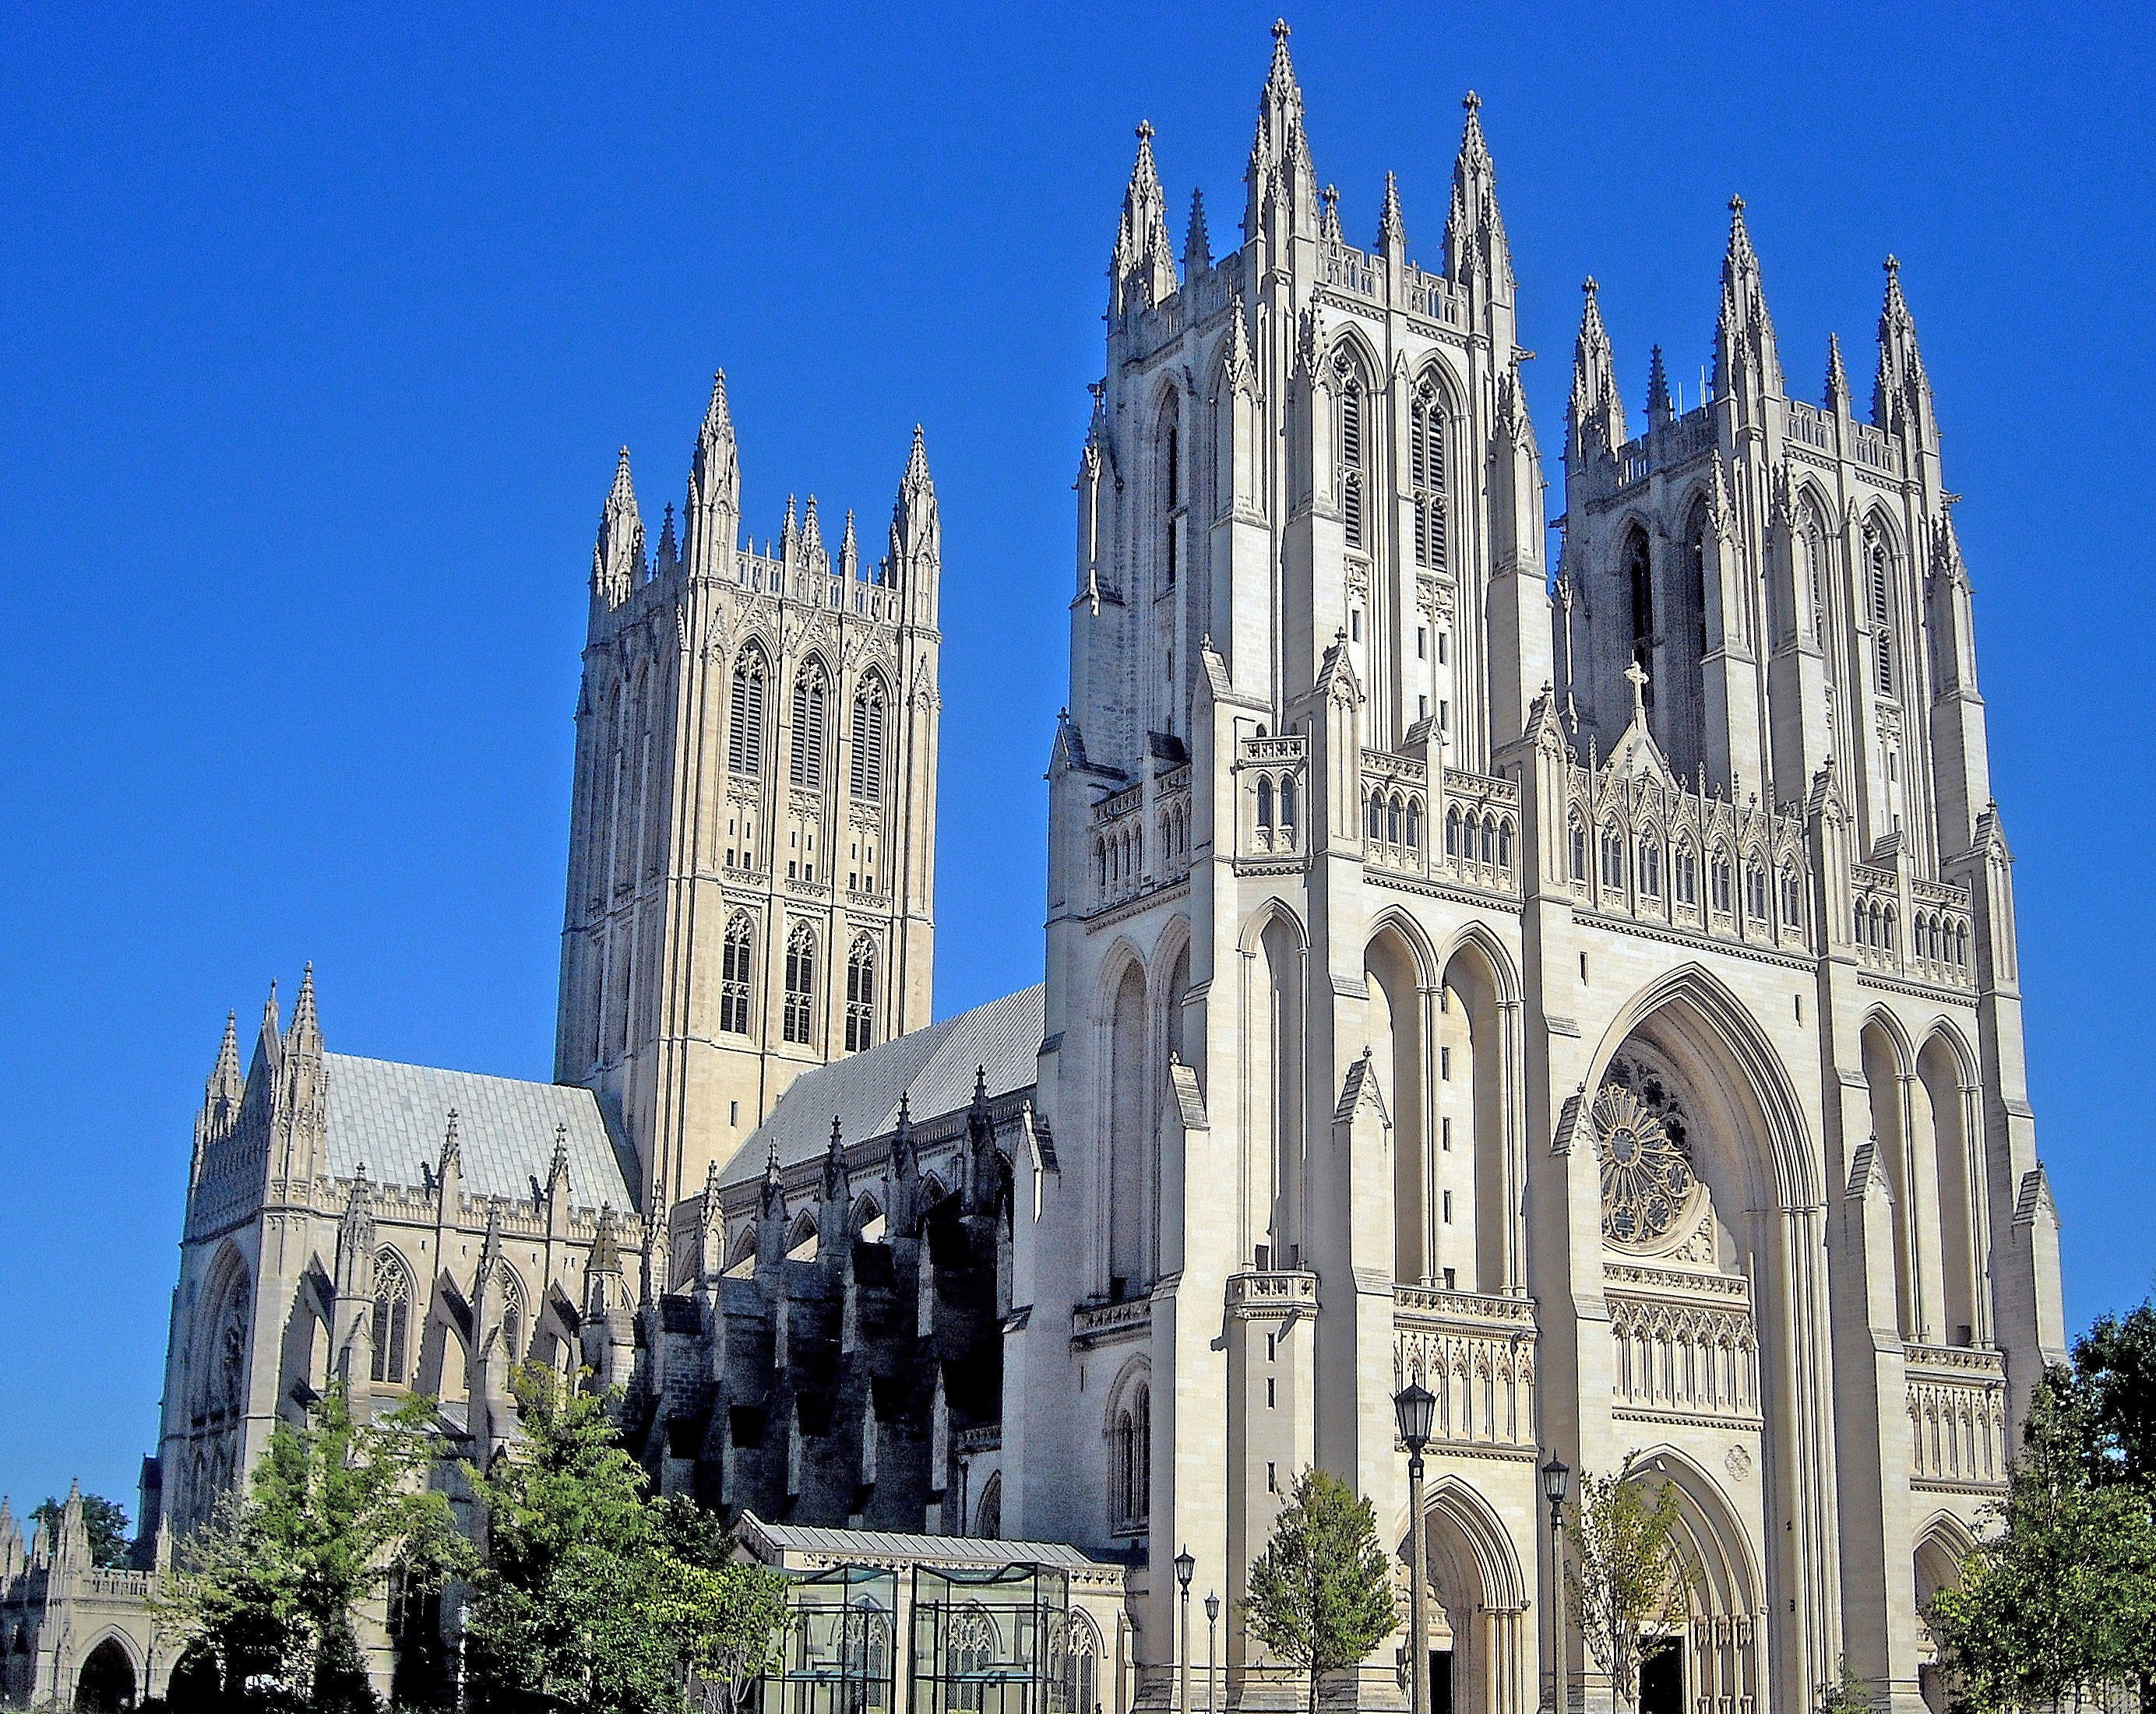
point(752, 828)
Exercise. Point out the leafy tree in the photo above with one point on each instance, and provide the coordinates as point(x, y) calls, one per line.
point(1321, 1595)
point(1847, 1695)
point(2061, 1602)
point(2114, 1375)
point(103, 1520)
point(1625, 1570)
point(333, 1511)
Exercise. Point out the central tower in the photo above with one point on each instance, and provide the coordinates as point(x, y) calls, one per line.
point(753, 836)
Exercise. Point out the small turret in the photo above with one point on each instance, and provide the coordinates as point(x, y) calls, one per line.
point(668, 561)
point(1477, 253)
point(618, 556)
point(813, 554)
point(1837, 378)
point(1746, 364)
point(916, 537)
point(1659, 410)
point(834, 1215)
point(1197, 243)
point(1280, 183)
point(1142, 273)
point(1392, 225)
point(713, 518)
point(1597, 416)
point(1902, 395)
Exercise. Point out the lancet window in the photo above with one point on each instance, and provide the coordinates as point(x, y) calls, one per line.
point(1353, 452)
point(799, 1010)
point(860, 995)
point(1130, 1457)
point(1426, 474)
point(392, 1319)
point(744, 734)
point(736, 960)
point(809, 704)
point(1878, 570)
point(867, 761)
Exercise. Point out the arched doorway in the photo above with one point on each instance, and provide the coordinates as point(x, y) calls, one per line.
point(1939, 1553)
point(106, 1683)
point(1477, 1605)
point(1712, 1216)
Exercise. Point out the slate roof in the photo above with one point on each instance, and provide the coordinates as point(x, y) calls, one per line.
point(933, 1068)
point(393, 1117)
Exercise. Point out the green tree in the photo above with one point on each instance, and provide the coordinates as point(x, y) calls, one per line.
point(1320, 1596)
point(103, 1520)
point(334, 1508)
point(2060, 1602)
point(2114, 1375)
point(1625, 1570)
point(574, 1603)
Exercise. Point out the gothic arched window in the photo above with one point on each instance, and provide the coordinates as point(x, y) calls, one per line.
point(735, 962)
point(1878, 571)
point(1640, 588)
point(1684, 874)
point(1613, 859)
point(860, 995)
point(1265, 805)
point(1171, 452)
point(1351, 451)
point(392, 1318)
point(808, 699)
point(1650, 867)
point(1452, 831)
point(1793, 897)
point(1718, 879)
point(745, 735)
point(1755, 890)
point(800, 983)
point(1426, 474)
point(1130, 1475)
point(512, 1314)
point(1287, 806)
point(867, 762)
point(1578, 843)
point(1415, 823)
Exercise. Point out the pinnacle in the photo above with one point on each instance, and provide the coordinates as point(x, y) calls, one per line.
point(917, 460)
point(624, 491)
point(1392, 228)
point(1197, 244)
point(717, 416)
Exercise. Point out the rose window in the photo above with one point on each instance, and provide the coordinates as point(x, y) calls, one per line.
point(1648, 1183)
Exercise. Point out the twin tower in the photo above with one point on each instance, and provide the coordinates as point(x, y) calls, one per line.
point(753, 836)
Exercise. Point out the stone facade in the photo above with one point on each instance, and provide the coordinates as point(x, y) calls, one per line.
point(1586, 989)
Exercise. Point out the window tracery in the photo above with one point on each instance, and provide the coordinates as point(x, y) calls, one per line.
point(1649, 1189)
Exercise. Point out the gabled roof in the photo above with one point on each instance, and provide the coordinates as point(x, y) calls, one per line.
point(932, 1068)
point(393, 1117)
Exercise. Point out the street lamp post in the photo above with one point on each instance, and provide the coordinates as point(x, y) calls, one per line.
point(1556, 1478)
point(1212, 1654)
point(1184, 1565)
point(1414, 1405)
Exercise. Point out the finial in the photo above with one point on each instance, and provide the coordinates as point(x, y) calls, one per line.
point(838, 1141)
point(1145, 130)
point(1279, 29)
point(1737, 205)
point(1471, 101)
point(1332, 195)
point(1893, 264)
point(1589, 285)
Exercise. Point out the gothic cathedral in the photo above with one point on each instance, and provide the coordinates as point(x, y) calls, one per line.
point(1586, 989)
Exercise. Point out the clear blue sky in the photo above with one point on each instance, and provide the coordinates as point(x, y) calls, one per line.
point(321, 328)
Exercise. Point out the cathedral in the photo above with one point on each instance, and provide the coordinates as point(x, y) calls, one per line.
point(1585, 986)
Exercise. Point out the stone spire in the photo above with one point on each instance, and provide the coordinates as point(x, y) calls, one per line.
point(222, 1092)
point(1747, 365)
point(1392, 227)
point(1143, 271)
point(1196, 244)
point(1837, 377)
point(849, 550)
point(1476, 249)
point(1596, 413)
point(812, 551)
point(1328, 219)
point(916, 537)
point(1902, 395)
point(1659, 410)
point(1281, 185)
point(669, 557)
point(618, 555)
point(713, 517)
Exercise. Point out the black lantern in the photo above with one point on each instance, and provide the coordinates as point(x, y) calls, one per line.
point(1212, 1610)
point(1557, 1481)
point(1413, 1407)
point(1184, 1567)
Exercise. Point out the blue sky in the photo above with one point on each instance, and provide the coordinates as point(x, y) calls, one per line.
point(322, 328)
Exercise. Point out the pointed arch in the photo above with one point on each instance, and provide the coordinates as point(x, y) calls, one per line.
point(391, 1317)
point(748, 711)
point(800, 1005)
point(811, 692)
point(1395, 979)
point(736, 973)
point(861, 993)
point(869, 739)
